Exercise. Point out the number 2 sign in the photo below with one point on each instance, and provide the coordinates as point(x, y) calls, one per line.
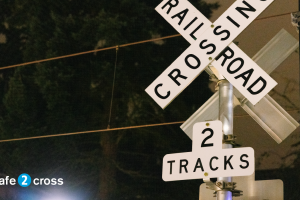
point(207, 135)
point(208, 159)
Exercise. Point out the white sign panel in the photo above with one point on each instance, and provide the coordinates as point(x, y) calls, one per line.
point(208, 159)
point(211, 164)
point(243, 73)
point(207, 135)
point(202, 52)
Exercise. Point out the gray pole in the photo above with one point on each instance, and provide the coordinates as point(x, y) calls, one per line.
point(226, 117)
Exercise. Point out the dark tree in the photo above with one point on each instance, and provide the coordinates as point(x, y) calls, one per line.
point(74, 94)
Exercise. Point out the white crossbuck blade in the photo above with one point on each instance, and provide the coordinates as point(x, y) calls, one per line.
point(211, 47)
point(267, 113)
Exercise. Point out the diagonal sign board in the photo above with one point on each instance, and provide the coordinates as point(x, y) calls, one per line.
point(267, 113)
point(253, 82)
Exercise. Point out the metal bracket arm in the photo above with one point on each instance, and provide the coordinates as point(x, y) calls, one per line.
point(223, 186)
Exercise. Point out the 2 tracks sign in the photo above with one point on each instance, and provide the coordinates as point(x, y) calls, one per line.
point(208, 159)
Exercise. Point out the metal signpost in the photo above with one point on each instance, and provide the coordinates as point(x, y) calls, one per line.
point(240, 81)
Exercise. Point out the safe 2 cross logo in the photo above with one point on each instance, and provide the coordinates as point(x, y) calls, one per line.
point(24, 180)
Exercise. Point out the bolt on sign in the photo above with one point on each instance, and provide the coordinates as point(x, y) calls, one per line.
point(208, 159)
point(211, 44)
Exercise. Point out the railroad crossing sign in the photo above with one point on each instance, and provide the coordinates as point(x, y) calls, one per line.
point(211, 47)
point(208, 159)
point(267, 113)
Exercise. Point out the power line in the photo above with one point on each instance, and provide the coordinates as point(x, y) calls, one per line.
point(110, 129)
point(279, 15)
point(103, 49)
point(87, 52)
point(114, 47)
point(113, 88)
point(93, 131)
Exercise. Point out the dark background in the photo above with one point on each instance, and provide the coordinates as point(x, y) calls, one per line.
point(74, 94)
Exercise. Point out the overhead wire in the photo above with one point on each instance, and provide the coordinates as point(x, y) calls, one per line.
point(279, 15)
point(103, 49)
point(87, 52)
point(113, 88)
point(110, 129)
point(114, 47)
point(93, 131)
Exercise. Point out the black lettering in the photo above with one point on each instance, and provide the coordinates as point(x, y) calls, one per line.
point(210, 163)
point(187, 26)
point(246, 76)
point(198, 165)
point(183, 13)
point(250, 8)
point(159, 95)
point(171, 161)
point(207, 46)
point(189, 64)
point(208, 137)
point(221, 32)
point(232, 21)
point(227, 162)
point(192, 34)
point(246, 161)
point(183, 165)
point(237, 69)
point(223, 53)
point(261, 89)
point(171, 5)
point(178, 75)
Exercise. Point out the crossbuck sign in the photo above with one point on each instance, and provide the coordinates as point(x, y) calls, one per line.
point(214, 46)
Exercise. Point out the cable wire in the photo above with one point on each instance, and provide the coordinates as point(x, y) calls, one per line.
point(114, 47)
point(87, 52)
point(93, 131)
point(113, 87)
point(268, 17)
point(103, 49)
point(112, 129)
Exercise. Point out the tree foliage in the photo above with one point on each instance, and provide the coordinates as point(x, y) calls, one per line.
point(74, 94)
